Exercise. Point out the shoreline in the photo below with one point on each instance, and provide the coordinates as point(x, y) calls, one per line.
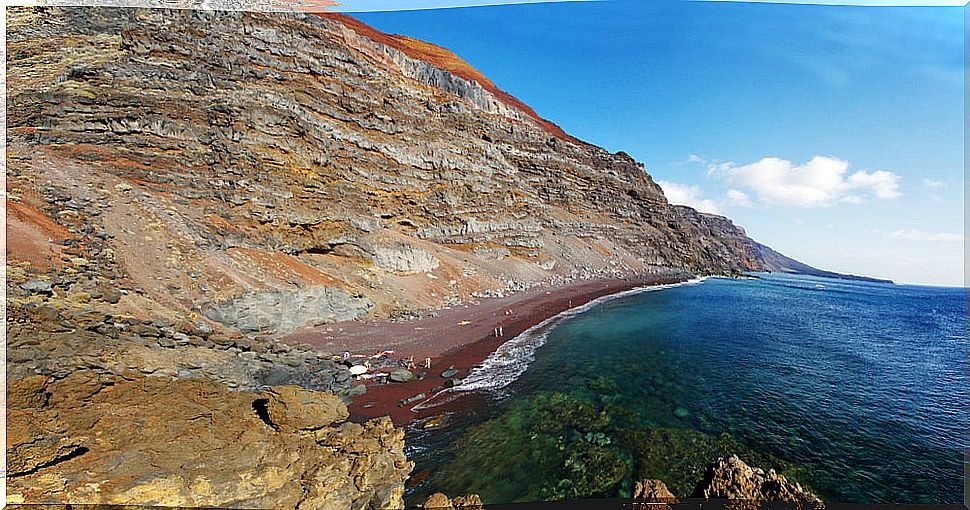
point(461, 337)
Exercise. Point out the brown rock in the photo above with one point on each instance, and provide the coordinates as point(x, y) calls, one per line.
point(197, 194)
point(27, 393)
point(438, 501)
point(37, 440)
point(470, 502)
point(734, 480)
point(153, 441)
point(294, 408)
point(652, 491)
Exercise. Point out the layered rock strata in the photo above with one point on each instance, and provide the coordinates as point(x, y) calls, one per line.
point(223, 164)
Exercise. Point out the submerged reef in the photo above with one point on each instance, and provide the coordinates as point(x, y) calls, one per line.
point(556, 445)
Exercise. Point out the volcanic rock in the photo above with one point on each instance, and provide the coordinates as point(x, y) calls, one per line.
point(401, 375)
point(653, 491)
point(37, 287)
point(252, 174)
point(734, 480)
point(93, 439)
point(439, 501)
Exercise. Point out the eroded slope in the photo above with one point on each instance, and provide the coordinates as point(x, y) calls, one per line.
point(269, 171)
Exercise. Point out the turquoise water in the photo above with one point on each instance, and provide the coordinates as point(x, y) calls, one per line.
point(857, 390)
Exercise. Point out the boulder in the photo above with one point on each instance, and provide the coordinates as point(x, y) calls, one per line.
point(734, 480)
point(401, 375)
point(413, 399)
point(37, 287)
point(469, 502)
point(112, 296)
point(295, 408)
point(439, 501)
point(436, 422)
point(652, 491)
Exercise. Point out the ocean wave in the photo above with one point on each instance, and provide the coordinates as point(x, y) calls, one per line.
point(513, 357)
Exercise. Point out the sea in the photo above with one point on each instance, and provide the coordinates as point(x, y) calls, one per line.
point(856, 390)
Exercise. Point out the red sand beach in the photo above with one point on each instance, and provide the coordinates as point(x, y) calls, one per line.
point(461, 337)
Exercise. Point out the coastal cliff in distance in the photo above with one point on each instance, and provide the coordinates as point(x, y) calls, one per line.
point(778, 263)
point(184, 187)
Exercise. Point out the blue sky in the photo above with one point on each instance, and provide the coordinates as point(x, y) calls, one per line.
point(833, 134)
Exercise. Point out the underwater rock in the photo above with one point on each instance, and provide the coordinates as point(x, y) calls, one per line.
point(436, 422)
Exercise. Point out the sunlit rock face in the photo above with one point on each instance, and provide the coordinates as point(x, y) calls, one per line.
point(208, 157)
point(96, 439)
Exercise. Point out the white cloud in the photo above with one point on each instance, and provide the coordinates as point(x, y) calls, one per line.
point(822, 181)
point(738, 197)
point(693, 159)
point(933, 183)
point(692, 196)
point(920, 235)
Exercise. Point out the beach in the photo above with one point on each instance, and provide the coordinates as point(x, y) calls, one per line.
point(460, 337)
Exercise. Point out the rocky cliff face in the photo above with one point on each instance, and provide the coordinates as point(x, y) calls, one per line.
point(220, 163)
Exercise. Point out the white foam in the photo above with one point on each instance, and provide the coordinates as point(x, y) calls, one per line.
point(513, 357)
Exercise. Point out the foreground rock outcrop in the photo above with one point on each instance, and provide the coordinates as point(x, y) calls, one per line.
point(734, 480)
point(96, 439)
point(653, 491)
point(439, 501)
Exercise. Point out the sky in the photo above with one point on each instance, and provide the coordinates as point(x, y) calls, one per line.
point(833, 134)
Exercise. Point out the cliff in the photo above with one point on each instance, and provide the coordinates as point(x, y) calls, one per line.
point(268, 171)
point(776, 262)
